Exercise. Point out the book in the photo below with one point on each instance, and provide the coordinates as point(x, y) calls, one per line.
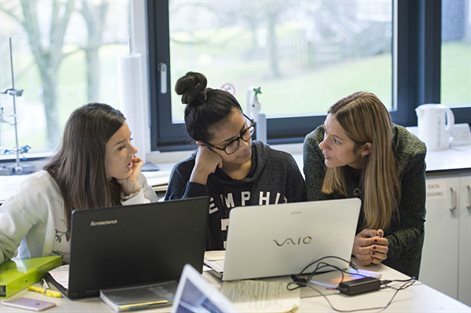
point(140, 297)
point(17, 274)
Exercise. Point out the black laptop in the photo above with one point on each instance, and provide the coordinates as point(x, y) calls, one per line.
point(136, 244)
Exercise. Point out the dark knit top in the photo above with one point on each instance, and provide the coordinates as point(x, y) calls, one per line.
point(406, 233)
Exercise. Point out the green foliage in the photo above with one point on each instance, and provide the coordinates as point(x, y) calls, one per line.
point(298, 92)
point(456, 74)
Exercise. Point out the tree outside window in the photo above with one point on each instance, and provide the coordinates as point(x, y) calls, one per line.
point(304, 54)
point(65, 54)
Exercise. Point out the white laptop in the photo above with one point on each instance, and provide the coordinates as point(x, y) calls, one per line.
point(195, 294)
point(282, 239)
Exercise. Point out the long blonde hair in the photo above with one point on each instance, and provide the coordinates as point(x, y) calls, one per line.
point(364, 118)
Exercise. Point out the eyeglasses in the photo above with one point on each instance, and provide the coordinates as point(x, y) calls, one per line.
point(233, 145)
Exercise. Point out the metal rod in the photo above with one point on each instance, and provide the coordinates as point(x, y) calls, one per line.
point(14, 106)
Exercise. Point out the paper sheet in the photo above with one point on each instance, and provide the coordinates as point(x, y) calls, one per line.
point(262, 295)
point(61, 275)
point(215, 260)
point(217, 266)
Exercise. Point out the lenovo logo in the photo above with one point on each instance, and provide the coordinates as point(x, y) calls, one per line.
point(294, 241)
point(103, 223)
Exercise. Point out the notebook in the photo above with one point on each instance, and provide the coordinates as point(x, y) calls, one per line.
point(140, 297)
point(133, 245)
point(195, 294)
point(281, 239)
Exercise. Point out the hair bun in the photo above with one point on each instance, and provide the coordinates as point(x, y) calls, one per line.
point(192, 88)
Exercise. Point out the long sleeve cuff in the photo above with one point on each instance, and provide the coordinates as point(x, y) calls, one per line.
point(195, 190)
point(139, 198)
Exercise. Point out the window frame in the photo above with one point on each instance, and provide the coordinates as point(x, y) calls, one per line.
point(416, 76)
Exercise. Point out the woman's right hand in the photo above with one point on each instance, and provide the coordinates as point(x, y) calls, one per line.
point(130, 185)
point(368, 245)
point(206, 162)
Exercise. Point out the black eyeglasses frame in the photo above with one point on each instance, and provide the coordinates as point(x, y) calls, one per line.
point(251, 128)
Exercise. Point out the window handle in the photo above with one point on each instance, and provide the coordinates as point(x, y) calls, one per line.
point(162, 68)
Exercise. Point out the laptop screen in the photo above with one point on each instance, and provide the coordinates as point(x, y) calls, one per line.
point(195, 294)
point(137, 244)
point(281, 239)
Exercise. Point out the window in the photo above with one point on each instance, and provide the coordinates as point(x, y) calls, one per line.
point(306, 55)
point(290, 48)
point(456, 53)
point(303, 54)
point(65, 55)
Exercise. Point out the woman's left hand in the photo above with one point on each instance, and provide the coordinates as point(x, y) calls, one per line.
point(370, 247)
point(380, 248)
point(131, 185)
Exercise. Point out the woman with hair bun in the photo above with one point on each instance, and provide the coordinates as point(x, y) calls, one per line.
point(227, 166)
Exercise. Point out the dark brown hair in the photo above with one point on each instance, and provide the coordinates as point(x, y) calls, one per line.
point(79, 165)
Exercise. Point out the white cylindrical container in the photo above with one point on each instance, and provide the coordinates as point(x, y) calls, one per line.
point(131, 98)
point(261, 127)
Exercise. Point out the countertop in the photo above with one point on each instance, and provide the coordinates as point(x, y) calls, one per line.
point(455, 159)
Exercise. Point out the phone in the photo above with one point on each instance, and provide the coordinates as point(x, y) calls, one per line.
point(30, 304)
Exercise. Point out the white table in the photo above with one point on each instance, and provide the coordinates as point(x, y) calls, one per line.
point(417, 298)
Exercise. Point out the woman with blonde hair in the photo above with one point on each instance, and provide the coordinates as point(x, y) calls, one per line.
point(358, 152)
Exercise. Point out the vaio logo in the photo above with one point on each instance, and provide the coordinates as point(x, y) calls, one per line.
point(294, 241)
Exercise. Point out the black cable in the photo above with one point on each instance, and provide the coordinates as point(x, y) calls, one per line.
point(320, 265)
point(407, 284)
point(327, 257)
point(299, 281)
point(385, 282)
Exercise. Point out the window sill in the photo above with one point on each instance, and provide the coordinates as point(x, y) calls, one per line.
point(157, 179)
point(159, 158)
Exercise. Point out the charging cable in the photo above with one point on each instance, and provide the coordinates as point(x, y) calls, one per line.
point(353, 287)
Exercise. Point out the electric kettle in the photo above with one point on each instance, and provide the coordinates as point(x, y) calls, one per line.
point(434, 122)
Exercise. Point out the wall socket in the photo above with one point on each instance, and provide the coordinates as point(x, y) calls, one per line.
point(460, 134)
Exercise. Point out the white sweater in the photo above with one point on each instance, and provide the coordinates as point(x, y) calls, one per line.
point(34, 222)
